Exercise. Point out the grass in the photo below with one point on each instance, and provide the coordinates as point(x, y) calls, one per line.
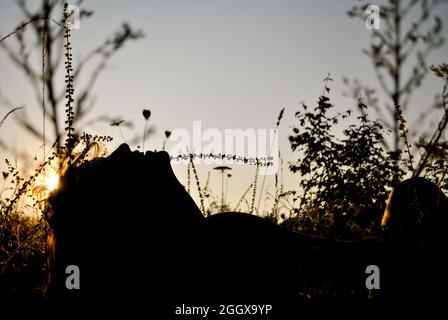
point(23, 236)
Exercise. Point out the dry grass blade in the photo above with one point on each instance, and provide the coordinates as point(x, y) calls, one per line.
point(8, 114)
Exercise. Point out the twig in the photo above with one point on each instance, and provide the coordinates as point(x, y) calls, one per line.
point(436, 136)
point(7, 115)
point(198, 185)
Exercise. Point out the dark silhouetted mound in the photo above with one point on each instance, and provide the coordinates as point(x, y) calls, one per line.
point(143, 247)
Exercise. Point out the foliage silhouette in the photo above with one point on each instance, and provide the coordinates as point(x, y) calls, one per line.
point(402, 40)
point(343, 179)
point(48, 44)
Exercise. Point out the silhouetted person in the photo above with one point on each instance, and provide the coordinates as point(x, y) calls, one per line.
point(142, 245)
point(140, 242)
point(125, 221)
point(416, 229)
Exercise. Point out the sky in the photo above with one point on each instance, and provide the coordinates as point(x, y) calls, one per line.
point(228, 64)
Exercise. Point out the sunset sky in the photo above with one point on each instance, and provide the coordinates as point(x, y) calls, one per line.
point(229, 64)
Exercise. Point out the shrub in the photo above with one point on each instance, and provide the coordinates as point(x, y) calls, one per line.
point(343, 180)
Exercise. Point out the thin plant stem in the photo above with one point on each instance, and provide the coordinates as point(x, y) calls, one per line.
point(122, 135)
point(144, 136)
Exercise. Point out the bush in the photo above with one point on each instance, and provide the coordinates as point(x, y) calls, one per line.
point(343, 181)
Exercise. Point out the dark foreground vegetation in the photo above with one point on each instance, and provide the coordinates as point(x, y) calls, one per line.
point(142, 245)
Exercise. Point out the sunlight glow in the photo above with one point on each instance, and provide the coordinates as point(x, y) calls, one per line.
point(52, 180)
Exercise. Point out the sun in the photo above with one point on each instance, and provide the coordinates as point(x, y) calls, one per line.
point(51, 180)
